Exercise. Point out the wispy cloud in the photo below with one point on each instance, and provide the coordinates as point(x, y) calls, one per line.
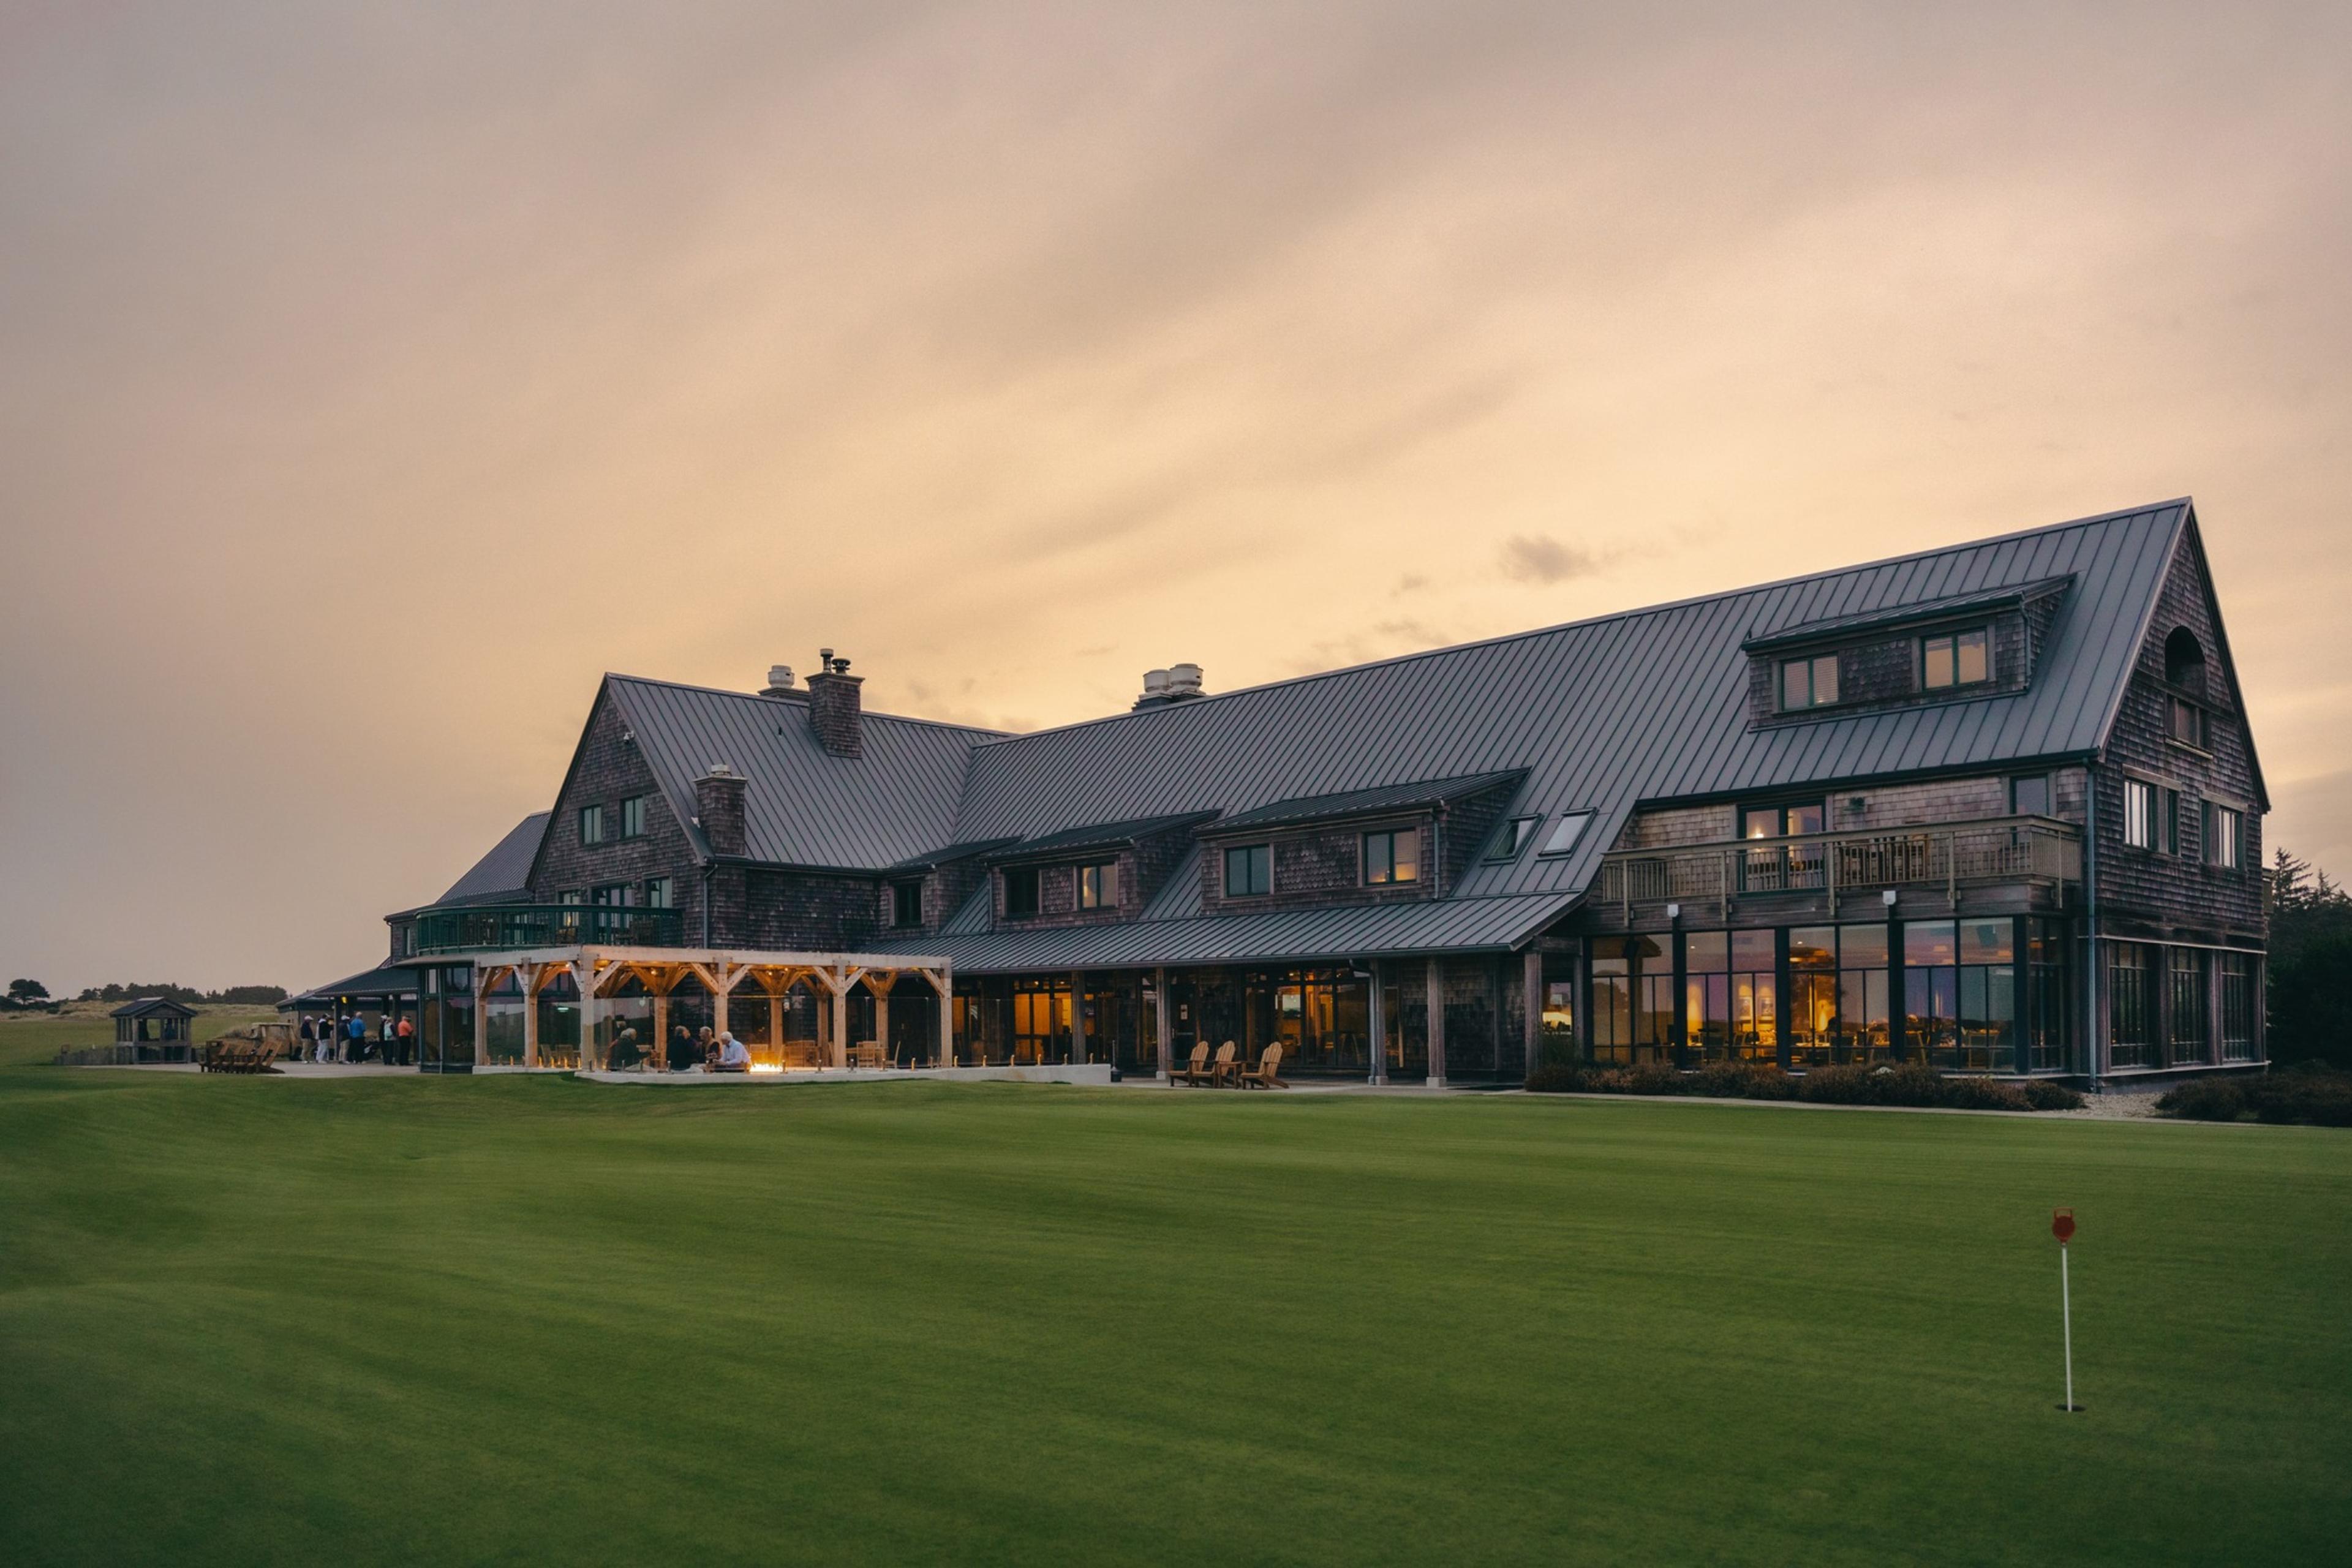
point(1538, 558)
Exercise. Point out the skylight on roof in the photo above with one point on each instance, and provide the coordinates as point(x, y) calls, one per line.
point(1514, 837)
point(1566, 831)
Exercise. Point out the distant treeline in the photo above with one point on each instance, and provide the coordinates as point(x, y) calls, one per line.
point(246, 995)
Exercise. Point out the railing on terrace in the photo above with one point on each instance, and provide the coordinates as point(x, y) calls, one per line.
point(508, 927)
point(1999, 849)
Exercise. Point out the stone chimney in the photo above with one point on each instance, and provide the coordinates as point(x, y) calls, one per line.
point(780, 685)
point(834, 712)
point(719, 806)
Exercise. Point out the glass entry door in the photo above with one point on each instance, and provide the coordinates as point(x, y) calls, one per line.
point(1041, 1023)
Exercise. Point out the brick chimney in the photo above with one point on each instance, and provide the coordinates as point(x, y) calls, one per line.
point(718, 803)
point(834, 712)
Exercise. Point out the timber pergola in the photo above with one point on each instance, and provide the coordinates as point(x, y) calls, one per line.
point(723, 973)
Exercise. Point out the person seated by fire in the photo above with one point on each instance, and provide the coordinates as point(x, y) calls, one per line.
point(732, 1057)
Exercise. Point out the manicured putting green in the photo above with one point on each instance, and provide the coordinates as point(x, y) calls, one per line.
point(408, 1321)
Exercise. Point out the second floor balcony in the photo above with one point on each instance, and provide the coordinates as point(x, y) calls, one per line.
point(2037, 853)
point(512, 928)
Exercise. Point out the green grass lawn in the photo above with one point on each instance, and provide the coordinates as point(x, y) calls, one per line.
point(413, 1320)
point(28, 1037)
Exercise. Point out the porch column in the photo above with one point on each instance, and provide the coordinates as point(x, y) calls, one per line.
point(881, 994)
point(1435, 1001)
point(727, 974)
point(1077, 1017)
point(1376, 1019)
point(482, 1017)
point(1160, 1019)
point(530, 1017)
point(840, 990)
point(583, 975)
point(657, 1057)
point(942, 980)
point(776, 1024)
point(1532, 1003)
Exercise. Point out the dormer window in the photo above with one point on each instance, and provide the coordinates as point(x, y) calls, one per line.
point(1099, 886)
point(1019, 891)
point(1955, 658)
point(1392, 856)
point(906, 905)
point(1809, 682)
point(1249, 870)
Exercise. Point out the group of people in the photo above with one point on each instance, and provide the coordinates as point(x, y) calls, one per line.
point(392, 1042)
point(712, 1051)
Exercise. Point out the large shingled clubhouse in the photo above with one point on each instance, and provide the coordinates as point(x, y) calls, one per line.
point(1993, 807)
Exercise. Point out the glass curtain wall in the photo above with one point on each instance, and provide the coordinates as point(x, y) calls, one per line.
point(1707, 997)
point(1556, 1030)
point(1988, 996)
point(1866, 1017)
point(2050, 1009)
point(2238, 993)
point(2185, 968)
point(1322, 1019)
point(504, 1007)
point(1632, 1001)
point(1756, 997)
point(1041, 1023)
point(1813, 1035)
point(1931, 992)
point(2131, 1005)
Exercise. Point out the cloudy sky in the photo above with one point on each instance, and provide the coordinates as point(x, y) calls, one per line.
point(372, 378)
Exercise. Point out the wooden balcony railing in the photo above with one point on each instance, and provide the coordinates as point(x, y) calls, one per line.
point(490, 928)
point(1999, 849)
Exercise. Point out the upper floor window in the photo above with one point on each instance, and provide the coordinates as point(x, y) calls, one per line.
point(2184, 660)
point(616, 895)
point(1782, 821)
point(2030, 795)
point(2139, 814)
point(2185, 721)
point(906, 904)
point(592, 825)
point(2225, 835)
point(1567, 833)
point(1809, 682)
point(1249, 870)
point(633, 817)
point(2168, 820)
point(571, 895)
point(1955, 658)
point(658, 894)
point(1514, 837)
point(1099, 886)
point(1392, 856)
point(1019, 891)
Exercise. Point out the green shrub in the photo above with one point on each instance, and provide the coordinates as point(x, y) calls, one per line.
point(1556, 1077)
point(1655, 1077)
point(2204, 1099)
point(1984, 1094)
point(1742, 1080)
point(2306, 1093)
point(2040, 1094)
point(1839, 1086)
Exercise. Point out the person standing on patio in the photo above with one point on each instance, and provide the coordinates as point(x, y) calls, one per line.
point(407, 1036)
point(354, 1040)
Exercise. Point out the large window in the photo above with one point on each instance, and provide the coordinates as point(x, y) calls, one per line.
point(2185, 721)
point(1249, 870)
point(1955, 658)
point(1809, 682)
point(592, 825)
point(2168, 821)
point(2131, 1005)
point(1392, 856)
point(2225, 836)
point(633, 817)
point(1040, 1022)
point(1781, 821)
point(1706, 994)
point(2139, 814)
point(1931, 992)
point(2046, 1031)
point(1813, 995)
point(658, 893)
point(1988, 1016)
point(1633, 1000)
point(906, 904)
point(1099, 886)
point(2030, 795)
point(2185, 972)
point(2238, 1001)
point(1866, 1026)
point(1755, 997)
point(1019, 891)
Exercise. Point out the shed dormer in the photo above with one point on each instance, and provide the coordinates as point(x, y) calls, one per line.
point(1937, 651)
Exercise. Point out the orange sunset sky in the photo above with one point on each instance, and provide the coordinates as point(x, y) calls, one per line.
point(373, 378)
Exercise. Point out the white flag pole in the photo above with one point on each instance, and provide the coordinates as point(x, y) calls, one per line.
point(2066, 1313)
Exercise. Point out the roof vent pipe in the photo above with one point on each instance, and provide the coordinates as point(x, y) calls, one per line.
point(779, 683)
point(1183, 681)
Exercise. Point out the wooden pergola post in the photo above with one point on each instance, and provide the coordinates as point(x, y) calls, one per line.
point(1160, 1020)
point(1435, 1001)
point(482, 1017)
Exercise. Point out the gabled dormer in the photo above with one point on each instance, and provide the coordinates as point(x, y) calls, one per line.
point(1394, 843)
point(1937, 651)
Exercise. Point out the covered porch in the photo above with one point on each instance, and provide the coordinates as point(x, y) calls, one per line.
point(654, 1009)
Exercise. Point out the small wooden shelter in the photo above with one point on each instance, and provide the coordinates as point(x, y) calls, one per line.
point(152, 1020)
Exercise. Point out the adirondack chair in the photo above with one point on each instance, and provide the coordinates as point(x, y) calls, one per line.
point(1195, 1072)
point(1268, 1074)
point(1225, 1067)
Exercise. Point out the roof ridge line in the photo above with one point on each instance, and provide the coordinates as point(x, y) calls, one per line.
point(868, 712)
point(1001, 737)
